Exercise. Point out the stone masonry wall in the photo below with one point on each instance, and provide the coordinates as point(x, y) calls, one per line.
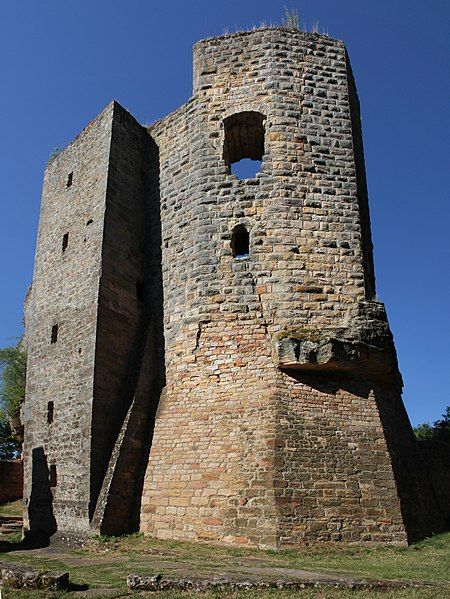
point(11, 480)
point(129, 356)
point(122, 321)
point(262, 457)
point(65, 293)
point(96, 278)
point(280, 420)
point(334, 477)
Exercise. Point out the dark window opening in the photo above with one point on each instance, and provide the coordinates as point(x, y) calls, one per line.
point(50, 410)
point(69, 179)
point(141, 291)
point(53, 478)
point(65, 241)
point(54, 337)
point(240, 242)
point(243, 147)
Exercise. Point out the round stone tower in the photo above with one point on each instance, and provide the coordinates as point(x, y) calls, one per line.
point(282, 393)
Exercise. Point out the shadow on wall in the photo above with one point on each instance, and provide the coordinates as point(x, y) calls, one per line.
point(118, 506)
point(435, 454)
point(331, 382)
point(153, 362)
point(419, 500)
point(40, 509)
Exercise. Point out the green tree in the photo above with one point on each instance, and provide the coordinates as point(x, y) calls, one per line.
point(13, 369)
point(13, 364)
point(9, 447)
point(439, 431)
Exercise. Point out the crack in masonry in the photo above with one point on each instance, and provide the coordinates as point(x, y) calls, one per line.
point(199, 333)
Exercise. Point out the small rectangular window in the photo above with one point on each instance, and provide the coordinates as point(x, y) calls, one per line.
point(52, 477)
point(50, 410)
point(69, 179)
point(65, 241)
point(54, 337)
point(240, 242)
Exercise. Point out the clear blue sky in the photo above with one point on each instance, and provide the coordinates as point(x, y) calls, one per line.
point(62, 62)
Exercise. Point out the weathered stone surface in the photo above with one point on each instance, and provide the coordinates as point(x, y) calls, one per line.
point(201, 393)
point(223, 583)
point(364, 347)
point(17, 577)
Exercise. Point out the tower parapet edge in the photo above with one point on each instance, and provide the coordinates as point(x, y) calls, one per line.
point(281, 420)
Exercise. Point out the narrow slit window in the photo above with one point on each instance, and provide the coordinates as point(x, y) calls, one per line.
point(50, 411)
point(240, 242)
point(243, 148)
point(69, 180)
point(65, 241)
point(53, 477)
point(54, 337)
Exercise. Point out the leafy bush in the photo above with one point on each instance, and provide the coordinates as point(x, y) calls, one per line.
point(13, 369)
point(9, 447)
point(439, 431)
point(13, 365)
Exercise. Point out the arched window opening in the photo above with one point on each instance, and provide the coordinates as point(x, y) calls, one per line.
point(240, 242)
point(243, 147)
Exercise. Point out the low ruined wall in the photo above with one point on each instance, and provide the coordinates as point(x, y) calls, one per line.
point(11, 480)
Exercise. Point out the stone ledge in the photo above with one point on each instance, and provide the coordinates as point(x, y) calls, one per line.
point(19, 577)
point(222, 583)
point(363, 346)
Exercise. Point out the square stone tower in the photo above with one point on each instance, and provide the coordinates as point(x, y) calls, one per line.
point(207, 358)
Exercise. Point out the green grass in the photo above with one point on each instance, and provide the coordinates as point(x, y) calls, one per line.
point(428, 560)
point(106, 562)
point(11, 509)
point(7, 510)
point(269, 594)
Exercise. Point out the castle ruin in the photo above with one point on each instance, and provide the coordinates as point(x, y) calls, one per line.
point(207, 357)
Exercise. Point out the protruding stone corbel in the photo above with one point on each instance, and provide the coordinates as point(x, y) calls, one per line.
point(362, 347)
